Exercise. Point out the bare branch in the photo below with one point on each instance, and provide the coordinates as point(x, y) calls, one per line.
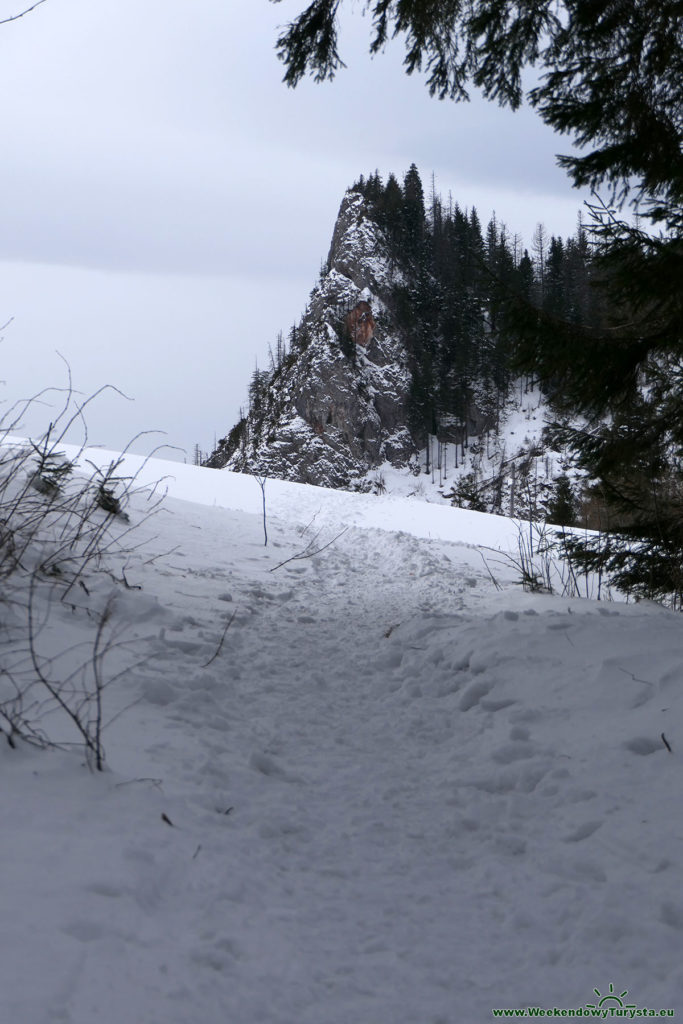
point(15, 17)
point(261, 481)
point(51, 543)
point(222, 640)
point(310, 551)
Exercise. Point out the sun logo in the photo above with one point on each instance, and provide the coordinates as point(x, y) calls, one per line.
point(610, 999)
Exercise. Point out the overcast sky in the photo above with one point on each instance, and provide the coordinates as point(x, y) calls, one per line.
point(167, 201)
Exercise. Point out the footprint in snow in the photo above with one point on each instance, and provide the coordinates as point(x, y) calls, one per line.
point(497, 705)
point(217, 955)
point(519, 732)
point(511, 752)
point(83, 931)
point(672, 914)
point(644, 745)
point(265, 765)
point(157, 691)
point(106, 889)
point(473, 694)
point(582, 832)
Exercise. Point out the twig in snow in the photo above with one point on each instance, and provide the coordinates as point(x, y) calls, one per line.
point(129, 586)
point(123, 711)
point(666, 743)
point(310, 552)
point(155, 782)
point(162, 554)
point(645, 682)
point(303, 530)
point(261, 481)
point(488, 569)
point(218, 650)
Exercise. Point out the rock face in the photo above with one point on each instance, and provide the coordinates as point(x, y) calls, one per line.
point(337, 404)
point(360, 324)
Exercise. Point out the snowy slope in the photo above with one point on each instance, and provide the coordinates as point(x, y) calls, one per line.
point(512, 469)
point(393, 794)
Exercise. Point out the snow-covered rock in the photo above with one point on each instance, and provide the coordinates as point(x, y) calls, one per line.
point(337, 405)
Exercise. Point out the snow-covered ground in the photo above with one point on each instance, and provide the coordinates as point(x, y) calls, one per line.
point(390, 793)
point(513, 467)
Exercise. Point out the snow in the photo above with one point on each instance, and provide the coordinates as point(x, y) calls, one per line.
point(389, 793)
point(518, 440)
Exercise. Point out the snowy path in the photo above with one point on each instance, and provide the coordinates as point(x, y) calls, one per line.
point(397, 796)
point(334, 811)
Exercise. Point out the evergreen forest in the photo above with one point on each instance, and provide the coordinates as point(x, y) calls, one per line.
point(452, 297)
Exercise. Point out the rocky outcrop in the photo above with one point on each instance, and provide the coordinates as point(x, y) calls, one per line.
point(360, 323)
point(398, 359)
point(337, 404)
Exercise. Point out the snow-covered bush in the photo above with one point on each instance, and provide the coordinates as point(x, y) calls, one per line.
point(543, 563)
point(63, 532)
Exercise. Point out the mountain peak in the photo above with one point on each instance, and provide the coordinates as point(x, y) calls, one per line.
point(402, 357)
point(336, 405)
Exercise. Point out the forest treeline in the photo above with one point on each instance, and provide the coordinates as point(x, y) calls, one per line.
point(452, 296)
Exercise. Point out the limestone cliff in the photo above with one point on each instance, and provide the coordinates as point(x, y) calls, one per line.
point(337, 404)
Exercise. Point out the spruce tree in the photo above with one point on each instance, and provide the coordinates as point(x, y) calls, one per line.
point(561, 509)
point(390, 211)
point(414, 219)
